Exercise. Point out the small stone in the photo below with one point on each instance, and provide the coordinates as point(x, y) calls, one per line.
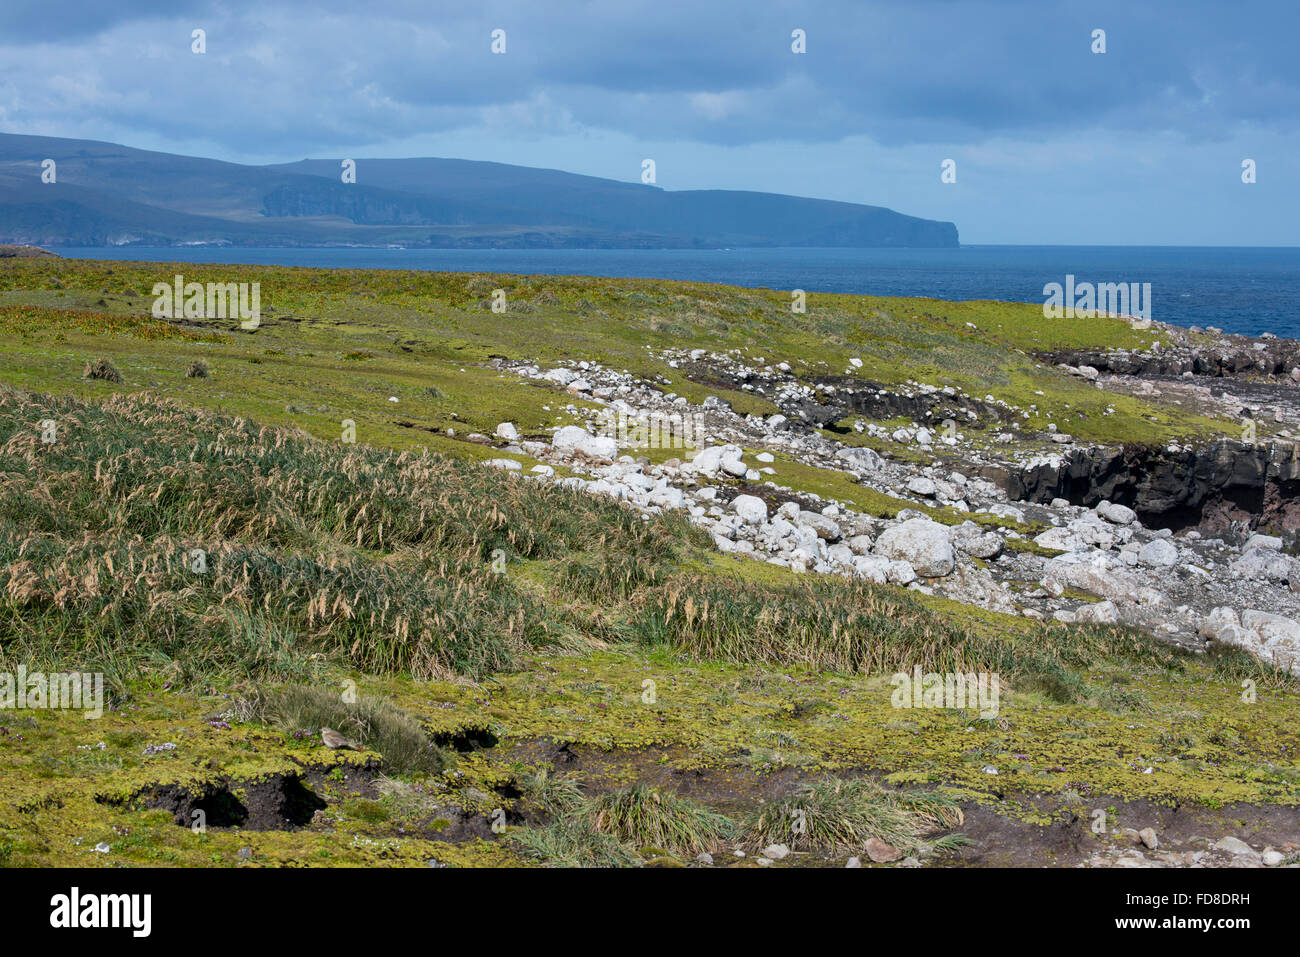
point(1273, 858)
point(705, 858)
point(880, 852)
point(1149, 838)
point(1158, 553)
point(777, 852)
point(921, 486)
point(853, 862)
point(1236, 846)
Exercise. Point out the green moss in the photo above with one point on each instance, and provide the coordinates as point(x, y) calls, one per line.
point(426, 342)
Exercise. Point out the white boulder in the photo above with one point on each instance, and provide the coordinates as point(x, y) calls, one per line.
point(922, 543)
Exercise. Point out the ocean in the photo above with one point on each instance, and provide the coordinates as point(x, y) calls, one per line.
point(1247, 290)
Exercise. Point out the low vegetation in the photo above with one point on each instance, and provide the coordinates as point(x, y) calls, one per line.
point(372, 723)
point(220, 549)
point(843, 815)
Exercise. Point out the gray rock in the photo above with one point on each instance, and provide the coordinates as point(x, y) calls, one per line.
point(900, 573)
point(1262, 541)
point(1158, 553)
point(827, 529)
point(1100, 613)
point(1263, 564)
point(574, 439)
point(921, 486)
point(749, 509)
point(861, 544)
point(922, 543)
point(1235, 846)
point(863, 459)
point(1117, 514)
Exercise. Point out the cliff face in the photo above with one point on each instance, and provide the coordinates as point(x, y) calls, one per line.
point(109, 194)
point(1210, 487)
point(26, 252)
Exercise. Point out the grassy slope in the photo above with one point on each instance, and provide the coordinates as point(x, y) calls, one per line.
point(592, 604)
point(337, 344)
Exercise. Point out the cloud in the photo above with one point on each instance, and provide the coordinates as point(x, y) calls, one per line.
point(885, 90)
point(901, 72)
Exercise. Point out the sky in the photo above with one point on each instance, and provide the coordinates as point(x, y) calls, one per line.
point(1052, 143)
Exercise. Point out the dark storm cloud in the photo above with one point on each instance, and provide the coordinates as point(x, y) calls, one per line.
point(921, 70)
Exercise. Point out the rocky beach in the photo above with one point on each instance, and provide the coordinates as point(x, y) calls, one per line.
point(1192, 543)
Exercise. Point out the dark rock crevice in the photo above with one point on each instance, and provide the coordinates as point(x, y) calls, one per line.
point(1209, 488)
point(1276, 358)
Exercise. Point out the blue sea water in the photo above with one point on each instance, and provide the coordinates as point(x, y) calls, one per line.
point(1239, 289)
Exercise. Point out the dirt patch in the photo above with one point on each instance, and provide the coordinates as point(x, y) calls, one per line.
point(1020, 831)
point(277, 803)
point(466, 739)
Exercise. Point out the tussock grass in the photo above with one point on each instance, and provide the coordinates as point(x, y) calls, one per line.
point(24, 320)
point(841, 815)
point(316, 553)
point(101, 369)
point(614, 829)
point(574, 842)
point(643, 816)
point(373, 723)
point(550, 794)
point(851, 626)
point(378, 559)
point(1237, 666)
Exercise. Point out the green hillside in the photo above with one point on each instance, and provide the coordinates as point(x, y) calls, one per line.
point(617, 690)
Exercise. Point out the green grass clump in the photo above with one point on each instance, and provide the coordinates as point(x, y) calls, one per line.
point(851, 626)
point(145, 528)
point(550, 794)
point(373, 723)
point(102, 369)
point(616, 828)
point(838, 815)
point(574, 842)
point(643, 816)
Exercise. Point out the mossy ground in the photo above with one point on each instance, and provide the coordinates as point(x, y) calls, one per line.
point(1171, 740)
point(336, 345)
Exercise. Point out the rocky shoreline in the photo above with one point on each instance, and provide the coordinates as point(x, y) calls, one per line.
point(1167, 539)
